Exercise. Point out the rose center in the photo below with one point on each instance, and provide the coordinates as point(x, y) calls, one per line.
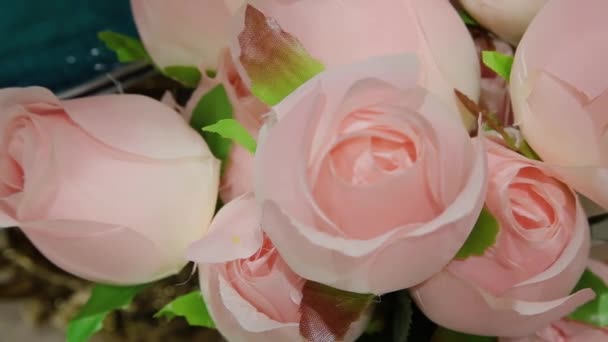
point(530, 207)
point(368, 158)
point(262, 262)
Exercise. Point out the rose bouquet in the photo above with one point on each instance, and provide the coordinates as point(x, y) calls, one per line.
point(341, 171)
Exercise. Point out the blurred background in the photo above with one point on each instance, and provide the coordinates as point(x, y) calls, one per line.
point(54, 43)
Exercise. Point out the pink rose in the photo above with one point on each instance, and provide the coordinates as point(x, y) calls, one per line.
point(560, 93)
point(361, 172)
point(237, 179)
point(251, 293)
point(507, 18)
point(566, 330)
point(184, 32)
point(111, 188)
point(338, 32)
point(523, 282)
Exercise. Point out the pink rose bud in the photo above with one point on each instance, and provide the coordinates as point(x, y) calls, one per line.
point(507, 18)
point(250, 291)
point(338, 32)
point(560, 93)
point(523, 282)
point(110, 188)
point(184, 32)
point(361, 172)
point(566, 330)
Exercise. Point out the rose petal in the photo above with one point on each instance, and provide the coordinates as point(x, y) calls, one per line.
point(508, 19)
point(18, 96)
point(226, 322)
point(585, 45)
point(573, 131)
point(248, 316)
point(238, 174)
point(468, 309)
point(138, 125)
point(101, 252)
point(188, 33)
point(235, 233)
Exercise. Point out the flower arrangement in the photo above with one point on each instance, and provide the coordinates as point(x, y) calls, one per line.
point(341, 171)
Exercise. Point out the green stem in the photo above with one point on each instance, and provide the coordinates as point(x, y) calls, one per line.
point(527, 151)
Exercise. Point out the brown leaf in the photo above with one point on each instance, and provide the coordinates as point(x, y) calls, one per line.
point(275, 61)
point(327, 313)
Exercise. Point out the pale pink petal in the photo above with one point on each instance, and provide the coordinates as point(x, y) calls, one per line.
point(246, 314)
point(234, 233)
point(238, 174)
point(169, 100)
point(589, 180)
point(470, 310)
point(188, 32)
point(508, 19)
point(567, 330)
point(578, 332)
point(138, 125)
point(577, 57)
point(21, 96)
point(556, 124)
point(449, 54)
point(225, 320)
point(101, 252)
point(564, 273)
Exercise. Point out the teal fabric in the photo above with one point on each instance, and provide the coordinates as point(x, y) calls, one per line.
point(53, 43)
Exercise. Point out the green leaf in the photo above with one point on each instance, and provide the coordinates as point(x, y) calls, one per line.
point(275, 61)
point(232, 129)
point(192, 307)
point(482, 237)
point(103, 300)
point(594, 312)
point(189, 76)
point(210, 109)
point(466, 17)
point(499, 63)
point(445, 335)
point(127, 49)
point(403, 318)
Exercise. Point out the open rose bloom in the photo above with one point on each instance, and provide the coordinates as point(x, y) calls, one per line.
point(347, 139)
point(523, 282)
point(355, 171)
